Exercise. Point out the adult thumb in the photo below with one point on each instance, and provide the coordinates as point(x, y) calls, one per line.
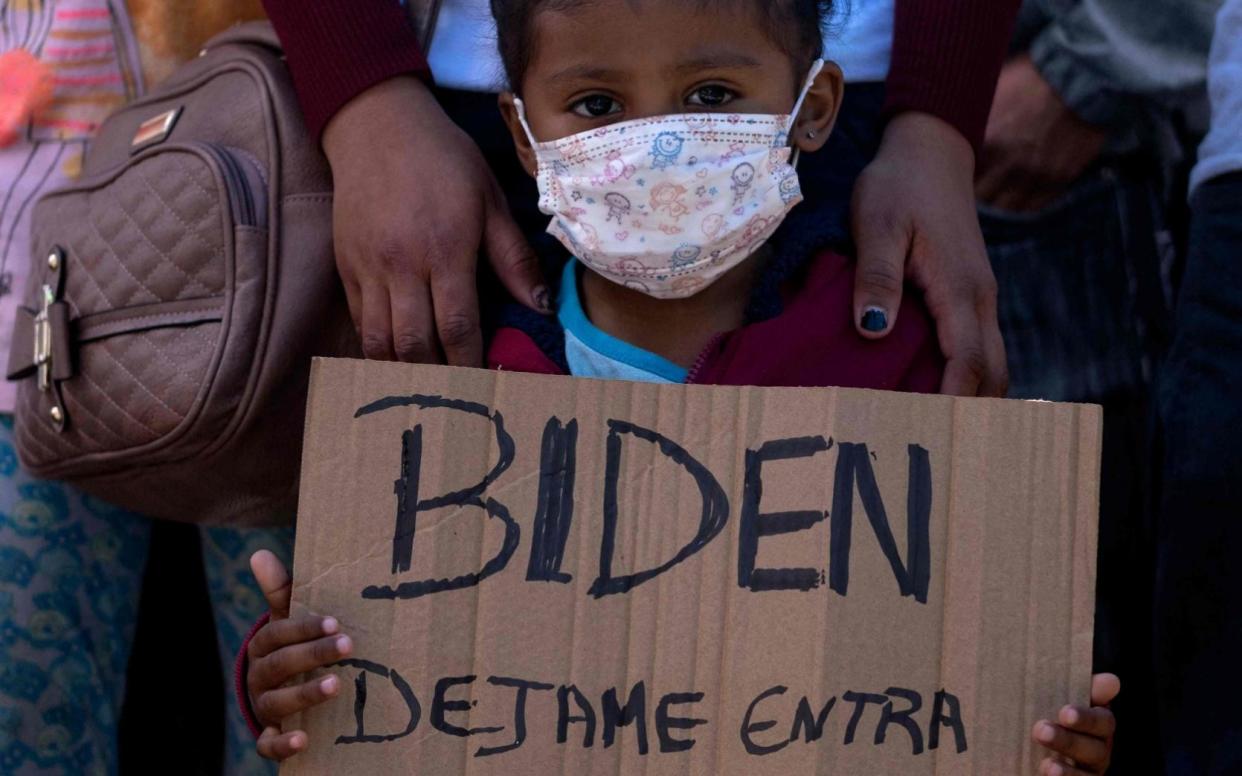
point(274, 581)
point(513, 260)
point(879, 277)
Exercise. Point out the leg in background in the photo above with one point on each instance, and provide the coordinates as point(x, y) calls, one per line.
point(70, 575)
point(1198, 610)
point(1083, 311)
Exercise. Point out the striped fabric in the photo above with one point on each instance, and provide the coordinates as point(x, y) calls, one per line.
point(90, 46)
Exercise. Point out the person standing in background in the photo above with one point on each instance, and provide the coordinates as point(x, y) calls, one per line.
point(1095, 116)
point(71, 566)
point(410, 276)
point(1199, 523)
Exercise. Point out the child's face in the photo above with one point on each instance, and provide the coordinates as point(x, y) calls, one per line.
point(608, 61)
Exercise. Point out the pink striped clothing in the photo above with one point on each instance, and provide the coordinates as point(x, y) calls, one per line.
point(91, 47)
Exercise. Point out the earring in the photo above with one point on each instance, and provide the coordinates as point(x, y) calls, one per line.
point(810, 135)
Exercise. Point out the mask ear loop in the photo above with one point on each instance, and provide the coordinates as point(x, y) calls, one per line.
point(816, 68)
point(521, 111)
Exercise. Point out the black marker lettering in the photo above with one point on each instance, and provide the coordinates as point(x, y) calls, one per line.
point(519, 713)
point(905, 717)
point(755, 525)
point(439, 706)
point(854, 462)
point(665, 723)
point(749, 728)
point(715, 507)
point(554, 511)
point(813, 724)
point(563, 720)
point(360, 702)
point(409, 505)
point(634, 711)
point(860, 701)
point(951, 719)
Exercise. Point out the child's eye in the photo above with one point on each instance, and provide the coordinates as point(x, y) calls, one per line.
point(711, 96)
point(596, 106)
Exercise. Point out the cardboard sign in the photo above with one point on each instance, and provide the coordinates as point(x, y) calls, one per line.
point(554, 576)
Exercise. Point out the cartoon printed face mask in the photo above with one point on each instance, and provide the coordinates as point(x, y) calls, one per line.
point(668, 204)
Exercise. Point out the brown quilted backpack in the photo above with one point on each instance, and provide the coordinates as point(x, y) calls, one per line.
point(179, 291)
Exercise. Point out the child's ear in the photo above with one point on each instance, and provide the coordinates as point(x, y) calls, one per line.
point(526, 154)
point(819, 110)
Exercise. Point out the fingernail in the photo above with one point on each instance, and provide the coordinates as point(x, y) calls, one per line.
point(874, 320)
point(330, 625)
point(543, 299)
point(1070, 715)
point(328, 684)
point(296, 742)
point(343, 644)
point(1045, 733)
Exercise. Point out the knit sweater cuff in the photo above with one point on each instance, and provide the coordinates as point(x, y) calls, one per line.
point(240, 668)
point(338, 49)
point(947, 57)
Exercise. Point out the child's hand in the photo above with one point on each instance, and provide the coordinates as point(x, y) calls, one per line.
point(1081, 740)
point(282, 649)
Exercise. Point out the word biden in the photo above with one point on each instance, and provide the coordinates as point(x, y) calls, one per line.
point(555, 508)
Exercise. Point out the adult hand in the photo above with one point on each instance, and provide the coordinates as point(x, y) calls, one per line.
point(415, 202)
point(1035, 146)
point(914, 218)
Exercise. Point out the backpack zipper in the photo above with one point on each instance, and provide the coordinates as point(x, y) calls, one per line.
point(239, 189)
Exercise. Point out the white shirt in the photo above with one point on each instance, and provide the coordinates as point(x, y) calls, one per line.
point(1221, 151)
point(464, 54)
point(862, 42)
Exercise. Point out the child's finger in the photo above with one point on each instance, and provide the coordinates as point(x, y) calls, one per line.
point(283, 633)
point(278, 704)
point(1094, 722)
point(282, 665)
point(1051, 767)
point(1085, 750)
point(1104, 688)
point(275, 745)
point(274, 581)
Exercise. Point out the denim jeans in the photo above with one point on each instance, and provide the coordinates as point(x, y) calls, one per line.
point(1199, 522)
point(1083, 309)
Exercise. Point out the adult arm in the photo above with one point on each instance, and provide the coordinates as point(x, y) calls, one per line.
point(1108, 58)
point(337, 49)
point(415, 201)
point(914, 209)
point(1093, 72)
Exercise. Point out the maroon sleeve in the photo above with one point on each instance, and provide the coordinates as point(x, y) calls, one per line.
point(947, 55)
point(239, 678)
point(338, 49)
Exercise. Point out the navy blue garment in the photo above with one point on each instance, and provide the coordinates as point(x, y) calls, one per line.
point(1199, 523)
point(1084, 313)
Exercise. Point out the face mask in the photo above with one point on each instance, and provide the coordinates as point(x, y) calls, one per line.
point(668, 204)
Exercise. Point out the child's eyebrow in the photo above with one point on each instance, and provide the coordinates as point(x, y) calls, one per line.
point(718, 60)
point(586, 73)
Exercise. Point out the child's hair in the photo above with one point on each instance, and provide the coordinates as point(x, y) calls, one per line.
point(797, 26)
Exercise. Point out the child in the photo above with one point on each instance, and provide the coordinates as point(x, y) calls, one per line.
point(663, 141)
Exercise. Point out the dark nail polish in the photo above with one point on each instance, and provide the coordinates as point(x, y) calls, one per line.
point(543, 299)
point(875, 320)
